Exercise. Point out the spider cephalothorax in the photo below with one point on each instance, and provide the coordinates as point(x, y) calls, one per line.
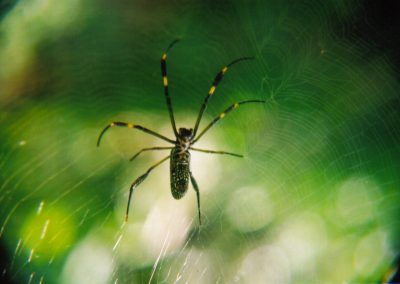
point(185, 134)
point(180, 172)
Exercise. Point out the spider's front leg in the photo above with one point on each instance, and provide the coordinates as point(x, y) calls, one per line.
point(139, 180)
point(165, 84)
point(214, 85)
point(216, 152)
point(222, 115)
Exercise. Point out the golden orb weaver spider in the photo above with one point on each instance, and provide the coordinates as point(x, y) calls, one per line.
point(180, 172)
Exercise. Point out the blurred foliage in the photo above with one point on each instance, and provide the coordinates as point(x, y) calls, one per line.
point(5, 6)
point(314, 200)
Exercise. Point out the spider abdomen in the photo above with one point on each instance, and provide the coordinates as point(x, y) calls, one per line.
point(179, 169)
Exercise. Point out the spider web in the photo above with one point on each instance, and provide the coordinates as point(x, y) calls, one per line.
point(314, 200)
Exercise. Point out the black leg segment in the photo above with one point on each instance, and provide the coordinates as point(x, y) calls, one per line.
point(165, 84)
point(216, 152)
point(222, 115)
point(149, 149)
point(138, 181)
point(214, 85)
point(196, 188)
point(130, 125)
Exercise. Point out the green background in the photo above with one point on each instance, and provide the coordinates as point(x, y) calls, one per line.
point(316, 198)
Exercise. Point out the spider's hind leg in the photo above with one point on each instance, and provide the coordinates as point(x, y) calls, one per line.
point(196, 188)
point(139, 180)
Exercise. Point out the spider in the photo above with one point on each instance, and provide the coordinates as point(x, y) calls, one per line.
point(185, 138)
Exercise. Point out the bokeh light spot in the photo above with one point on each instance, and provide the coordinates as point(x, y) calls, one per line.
point(48, 233)
point(356, 201)
point(89, 262)
point(249, 218)
point(266, 264)
point(303, 237)
point(370, 252)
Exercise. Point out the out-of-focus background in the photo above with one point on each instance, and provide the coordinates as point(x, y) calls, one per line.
point(316, 198)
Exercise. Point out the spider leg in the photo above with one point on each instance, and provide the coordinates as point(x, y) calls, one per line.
point(130, 125)
point(214, 85)
point(138, 181)
point(222, 115)
point(216, 152)
point(196, 188)
point(165, 84)
point(149, 149)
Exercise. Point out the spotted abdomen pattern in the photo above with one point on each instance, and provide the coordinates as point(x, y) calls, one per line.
point(179, 169)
